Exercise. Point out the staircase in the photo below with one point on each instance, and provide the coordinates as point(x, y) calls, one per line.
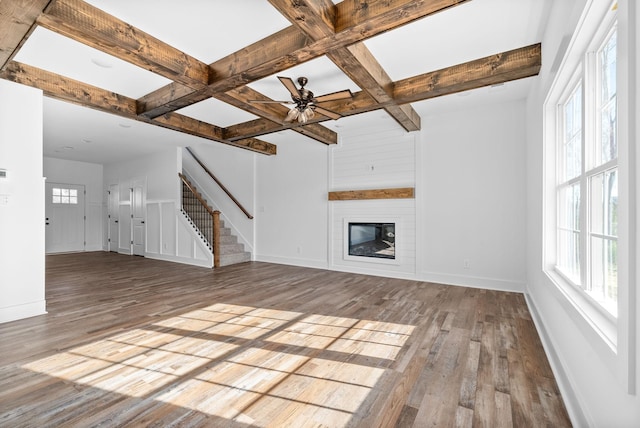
point(231, 251)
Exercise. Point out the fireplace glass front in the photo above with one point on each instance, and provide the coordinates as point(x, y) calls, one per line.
point(376, 240)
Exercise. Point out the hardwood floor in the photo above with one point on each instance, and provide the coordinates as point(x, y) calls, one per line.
point(130, 341)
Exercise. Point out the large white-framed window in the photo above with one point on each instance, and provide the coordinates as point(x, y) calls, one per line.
point(587, 175)
point(590, 217)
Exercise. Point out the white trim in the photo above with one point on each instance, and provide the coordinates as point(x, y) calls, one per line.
point(300, 262)
point(570, 395)
point(26, 310)
point(179, 259)
point(474, 281)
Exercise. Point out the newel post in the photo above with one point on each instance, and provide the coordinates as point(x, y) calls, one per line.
point(216, 239)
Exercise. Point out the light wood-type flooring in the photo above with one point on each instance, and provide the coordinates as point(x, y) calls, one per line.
point(129, 341)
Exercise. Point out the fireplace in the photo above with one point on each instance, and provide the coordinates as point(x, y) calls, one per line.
point(373, 240)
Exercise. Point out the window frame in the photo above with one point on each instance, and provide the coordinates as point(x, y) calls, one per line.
point(611, 339)
point(585, 79)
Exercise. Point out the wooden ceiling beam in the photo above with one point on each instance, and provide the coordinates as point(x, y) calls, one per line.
point(317, 20)
point(230, 72)
point(491, 70)
point(69, 90)
point(91, 26)
point(17, 20)
point(198, 128)
point(355, 20)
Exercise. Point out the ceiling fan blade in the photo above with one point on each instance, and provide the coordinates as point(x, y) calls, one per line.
point(340, 95)
point(270, 102)
point(291, 87)
point(330, 114)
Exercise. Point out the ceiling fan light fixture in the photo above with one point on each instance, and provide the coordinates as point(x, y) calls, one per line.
point(292, 115)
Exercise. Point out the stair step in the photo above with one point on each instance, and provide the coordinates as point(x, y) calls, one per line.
point(230, 259)
point(231, 248)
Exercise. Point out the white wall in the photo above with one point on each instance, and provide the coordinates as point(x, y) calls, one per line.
point(593, 379)
point(472, 197)
point(87, 174)
point(291, 197)
point(168, 234)
point(21, 203)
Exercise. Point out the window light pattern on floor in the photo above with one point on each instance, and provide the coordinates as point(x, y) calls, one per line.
point(241, 363)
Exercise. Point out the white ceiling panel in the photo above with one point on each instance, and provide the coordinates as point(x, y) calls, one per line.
point(52, 52)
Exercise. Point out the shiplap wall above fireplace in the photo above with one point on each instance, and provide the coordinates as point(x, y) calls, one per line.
point(373, 159)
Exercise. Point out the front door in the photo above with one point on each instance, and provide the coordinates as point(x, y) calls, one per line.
point(64, 218)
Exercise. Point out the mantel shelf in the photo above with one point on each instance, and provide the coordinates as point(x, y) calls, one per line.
point(351, 195)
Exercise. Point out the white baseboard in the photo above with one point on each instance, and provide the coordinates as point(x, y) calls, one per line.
point(310, 263)
point(27, 310)
point(570, 398)
point(474, 281)
point(178, 259)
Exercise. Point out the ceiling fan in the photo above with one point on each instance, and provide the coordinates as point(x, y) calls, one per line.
point(305, 103)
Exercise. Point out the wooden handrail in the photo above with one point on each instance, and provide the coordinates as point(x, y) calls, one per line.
point(195, 193)
point(215, 216)
point(249, 216)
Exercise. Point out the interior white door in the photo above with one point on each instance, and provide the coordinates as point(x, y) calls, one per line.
point(137, 219)
point(64, 218)
point(113, 233)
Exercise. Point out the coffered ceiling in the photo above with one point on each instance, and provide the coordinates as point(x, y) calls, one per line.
point(160, 73)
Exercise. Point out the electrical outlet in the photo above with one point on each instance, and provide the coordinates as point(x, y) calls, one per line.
point(466, 264)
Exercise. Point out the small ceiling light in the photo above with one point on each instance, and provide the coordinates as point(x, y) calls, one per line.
point(124, 125)
point(102, 63)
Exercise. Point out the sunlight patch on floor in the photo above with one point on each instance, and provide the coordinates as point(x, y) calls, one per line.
point(242, 363)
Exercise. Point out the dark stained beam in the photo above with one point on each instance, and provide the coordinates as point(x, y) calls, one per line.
point(491, 70)
point(91, 26)
point(17, 20)
point(359, 64)
point(228, 71)
point(291, 47)
point(70, 90)
point(65, 89)
point(317, 20)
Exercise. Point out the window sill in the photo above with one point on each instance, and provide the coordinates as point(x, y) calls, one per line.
point(598, 321)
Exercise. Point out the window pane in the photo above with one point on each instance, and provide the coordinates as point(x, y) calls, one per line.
point(604, 272)
point(569, 232)
point(56, 199)
point(73, 199)
point(64, 199)
point(569, 207)
point(56, 191)
point(611, 202)
point(65, 192)
point(604, 203)
point(572, 139)
point(569, 254)
point(607, 147)
point(73, 192)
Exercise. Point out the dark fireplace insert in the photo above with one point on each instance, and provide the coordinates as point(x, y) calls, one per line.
point(376, 240)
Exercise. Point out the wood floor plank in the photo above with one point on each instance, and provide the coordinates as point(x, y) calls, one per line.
point(129, 341)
